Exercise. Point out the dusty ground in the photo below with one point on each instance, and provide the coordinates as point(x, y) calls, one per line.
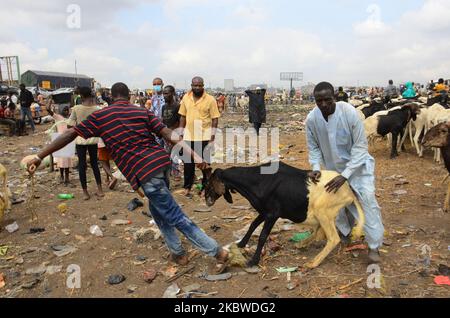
point(414, 221)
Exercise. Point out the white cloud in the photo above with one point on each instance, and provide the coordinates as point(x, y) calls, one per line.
point(250, 13)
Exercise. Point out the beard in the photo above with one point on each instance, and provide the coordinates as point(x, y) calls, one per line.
point(198, 93)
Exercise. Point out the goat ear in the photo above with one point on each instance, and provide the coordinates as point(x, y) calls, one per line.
point(227, 196)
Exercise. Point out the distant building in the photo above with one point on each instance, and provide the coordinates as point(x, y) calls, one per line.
point(229, 85)
point(55, 80)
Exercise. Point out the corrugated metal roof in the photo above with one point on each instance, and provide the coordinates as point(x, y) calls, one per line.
point(59, 74)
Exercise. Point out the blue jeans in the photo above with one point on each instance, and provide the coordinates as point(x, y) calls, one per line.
point(169, 216)
point(26, 112)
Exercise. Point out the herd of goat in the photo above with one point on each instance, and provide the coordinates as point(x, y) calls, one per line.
point(398, 118)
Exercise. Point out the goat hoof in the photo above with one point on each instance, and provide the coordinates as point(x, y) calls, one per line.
point(241, 245)
point(252, 263)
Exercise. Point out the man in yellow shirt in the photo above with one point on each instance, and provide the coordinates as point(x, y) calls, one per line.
point(440, 88)
point(199, 120)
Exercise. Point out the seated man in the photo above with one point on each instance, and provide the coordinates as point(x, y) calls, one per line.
point(7, 121)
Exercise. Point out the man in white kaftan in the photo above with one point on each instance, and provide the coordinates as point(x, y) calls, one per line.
point(337, 142)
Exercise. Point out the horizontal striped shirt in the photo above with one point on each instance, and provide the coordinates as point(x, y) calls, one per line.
point(127, 132)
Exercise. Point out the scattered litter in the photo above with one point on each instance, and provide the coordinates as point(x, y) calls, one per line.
point(428, 184)
point(150, 275)
point(65, 231)
point(400, 192)
point(286, 269)
point(141, 258)
point(3, 250)
point(241, 207)
point(2, 280)
point(120, 222)
point(170, 271)
point(171, 291)
point(202, 209)
point(35, 230)
point(190, 288)
point(116, 279)
point(65, 196)
point(95, 230)
point(181, 273)
point(406, 245)
point(53, 269)
point(215, 278)
point(38, 270)
point(298, 237)
point(132, 288)
point(215, 228)
point(230, 217)
point(62, 208)
point(12, 227)
point(103, 218)
point(253, 270)
point(61, 251)
point(30, 284)
point(17, 201)
point(287, 227)
point(134, 204)
point(442, 280)
point(356, 247)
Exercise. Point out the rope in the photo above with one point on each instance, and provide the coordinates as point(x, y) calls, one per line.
point(31, 206)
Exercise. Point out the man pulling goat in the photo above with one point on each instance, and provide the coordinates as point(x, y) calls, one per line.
point(336, 141)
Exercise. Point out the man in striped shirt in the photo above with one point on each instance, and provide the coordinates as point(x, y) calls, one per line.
point(127, 132)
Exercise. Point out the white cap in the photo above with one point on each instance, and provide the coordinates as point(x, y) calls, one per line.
point(258, 88)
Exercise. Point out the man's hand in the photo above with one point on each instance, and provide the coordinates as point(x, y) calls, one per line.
point(202, 166)
point(315, 176)
point(335, 184)
point(33, 164)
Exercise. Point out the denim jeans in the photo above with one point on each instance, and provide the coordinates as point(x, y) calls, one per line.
point(26, 112)
point(169, 216)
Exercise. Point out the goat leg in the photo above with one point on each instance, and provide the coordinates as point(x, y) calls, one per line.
point(268, 225)
point(250, 231)
point(394, 152)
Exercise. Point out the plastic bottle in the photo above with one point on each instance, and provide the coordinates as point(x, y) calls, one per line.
point(95, 230)
point(65, 196)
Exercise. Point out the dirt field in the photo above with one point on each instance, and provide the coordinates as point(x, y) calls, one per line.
point(415, 223)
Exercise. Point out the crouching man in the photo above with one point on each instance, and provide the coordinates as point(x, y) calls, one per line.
point(336, 141)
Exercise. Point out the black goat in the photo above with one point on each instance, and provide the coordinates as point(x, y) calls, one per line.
point(374, 107)
point(395, 122)
point(287, 194)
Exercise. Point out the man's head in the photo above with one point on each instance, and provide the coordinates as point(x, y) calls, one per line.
point(158, 85)
point(198, 86)
point(258, 90)
point(441, 81)
point(340, 89)
point(168, 93)
point(391, 82)
point(324, 95)
point(120, 91)
point(65, 112)
point(86, 92)
point(22, 87)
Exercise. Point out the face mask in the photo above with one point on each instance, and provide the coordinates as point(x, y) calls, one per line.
point(157, 88)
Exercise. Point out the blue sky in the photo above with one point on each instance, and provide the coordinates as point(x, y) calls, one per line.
point(344, 41)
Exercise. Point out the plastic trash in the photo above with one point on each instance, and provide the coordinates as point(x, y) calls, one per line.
point(95, 230)
point(171, 291)
point(199, 187)
point(134, 204)
point(12, 227)
point(442, 280)
point(36, 230)
point(298, 237)
point(120, 222)
point(286, 269)
point(116, 279)
point(65, 196)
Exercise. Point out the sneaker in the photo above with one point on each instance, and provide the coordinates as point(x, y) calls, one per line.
point(374, 256)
